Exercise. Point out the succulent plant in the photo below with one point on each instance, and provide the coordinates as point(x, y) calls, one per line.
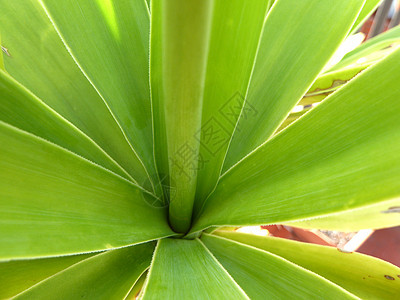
point(133, 134)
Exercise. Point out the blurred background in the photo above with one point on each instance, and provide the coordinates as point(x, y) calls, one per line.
point(386, 16)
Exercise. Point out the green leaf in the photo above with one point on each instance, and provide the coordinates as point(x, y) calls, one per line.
point(291, 118)
point(53, 202)
point(1, 55)
point(297, 41)
point(328, 83)
point(22, 109)
point(180, 34)
point(137, 287)
point(364, 276)
point(115, 58)
point(185, 269)
point(263, 275)
point(148, 3)
point(108, 275)
point(342, 155)
point(382, 215)
point(39, 61)
point(368, 9)
point(375, 48)
point(17, 276)
point(353, 63)
point(235, 32)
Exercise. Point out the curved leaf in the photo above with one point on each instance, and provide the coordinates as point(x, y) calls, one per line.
point(53, 202)
point(263, 275)
point(365, 276)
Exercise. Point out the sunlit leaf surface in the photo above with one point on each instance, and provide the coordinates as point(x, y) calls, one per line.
point(364, 276)
point(329, 168)
point(284, 72)
point(264, 275)
point(22, 274)
point(39, 60)
point(56, 203)
point(176, 261)
point(107, 275)
point(131, 131)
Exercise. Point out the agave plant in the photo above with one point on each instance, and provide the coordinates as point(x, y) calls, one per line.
point(133, 133)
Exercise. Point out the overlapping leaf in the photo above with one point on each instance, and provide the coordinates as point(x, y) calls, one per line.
point(137, 287)
point(381, 215)
point(367, 10)
point(108, 275)
point(210, 62)
point(233, 43)
point(22, 274)
point(330, 82)
point(1, 55)
point(39, 61)
point(264, 275)
point(297, 41)
point(115, 58)
point(371, 48)
point(180, 34)
point(53, 202)
point(349, 160)
point(364, 276)
point(20, 108)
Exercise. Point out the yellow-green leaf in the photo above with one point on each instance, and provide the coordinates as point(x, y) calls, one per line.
point(39, 61)
point(107, 275)
point(53, 202)
point(365, 276)
point(297, 41)
point(263, 275)
point(19, 275)
point(185, 269)
point(342, 155)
